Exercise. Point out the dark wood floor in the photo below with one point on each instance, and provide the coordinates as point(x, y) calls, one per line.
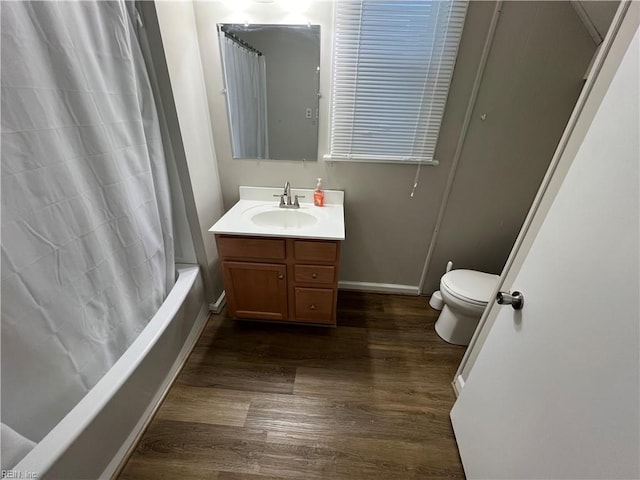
point(368, 399)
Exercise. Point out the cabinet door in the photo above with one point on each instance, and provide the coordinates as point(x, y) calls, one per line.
point(256, 290)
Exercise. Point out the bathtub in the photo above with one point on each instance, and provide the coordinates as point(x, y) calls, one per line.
point(94, 438)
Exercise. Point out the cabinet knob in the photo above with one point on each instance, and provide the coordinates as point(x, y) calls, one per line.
point(312, 307)
point(314, 275)
point(281, 276)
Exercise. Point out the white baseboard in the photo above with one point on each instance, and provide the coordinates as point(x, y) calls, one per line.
point(379, 287)
point(458, 384)
point(219, 304)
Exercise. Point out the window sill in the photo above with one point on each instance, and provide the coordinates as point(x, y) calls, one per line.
point(387, 160)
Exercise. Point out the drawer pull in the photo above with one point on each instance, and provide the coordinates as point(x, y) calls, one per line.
point(281, 276)
point(314, 275)
point(312, 307)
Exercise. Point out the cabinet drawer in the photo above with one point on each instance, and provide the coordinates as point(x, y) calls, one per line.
point(262, 248)
point(307, 251)
point(315, 274)
point(314, 305)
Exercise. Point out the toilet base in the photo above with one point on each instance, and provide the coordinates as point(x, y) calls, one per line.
point(436, 301)
point(455, 327)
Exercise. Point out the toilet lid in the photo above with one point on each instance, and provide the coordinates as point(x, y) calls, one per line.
point(470, 284)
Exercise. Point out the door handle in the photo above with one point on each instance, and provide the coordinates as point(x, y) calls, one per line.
point(515, 299)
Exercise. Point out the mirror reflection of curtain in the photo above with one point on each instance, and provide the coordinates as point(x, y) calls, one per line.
point(245, 77)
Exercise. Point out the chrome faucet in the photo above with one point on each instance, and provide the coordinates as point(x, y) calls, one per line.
point(287, 193)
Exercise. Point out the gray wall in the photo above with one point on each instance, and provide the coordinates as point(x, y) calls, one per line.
point(597, 15)
point(540, 53)
point(531, 83)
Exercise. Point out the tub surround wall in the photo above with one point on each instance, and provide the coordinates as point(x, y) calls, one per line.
point(388, 232)
point(171, 30)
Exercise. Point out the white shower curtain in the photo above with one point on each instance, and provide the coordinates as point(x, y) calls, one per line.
point(87, 247)
point(246, 84)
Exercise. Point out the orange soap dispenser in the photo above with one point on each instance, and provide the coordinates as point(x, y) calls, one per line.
point(318, 194)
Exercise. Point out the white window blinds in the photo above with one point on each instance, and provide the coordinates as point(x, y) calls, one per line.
point(392, 66)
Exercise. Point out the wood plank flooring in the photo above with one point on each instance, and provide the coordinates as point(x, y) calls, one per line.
point(369, 399)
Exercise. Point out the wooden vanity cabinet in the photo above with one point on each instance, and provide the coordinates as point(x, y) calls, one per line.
point(280, 279)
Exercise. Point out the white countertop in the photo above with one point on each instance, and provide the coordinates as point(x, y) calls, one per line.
point(328, 225)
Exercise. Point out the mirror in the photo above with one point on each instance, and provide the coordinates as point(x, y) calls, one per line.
point(272, 81)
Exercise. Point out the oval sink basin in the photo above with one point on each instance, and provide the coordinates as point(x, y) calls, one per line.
point(287, 219)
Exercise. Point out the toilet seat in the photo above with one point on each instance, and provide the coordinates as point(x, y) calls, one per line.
point(469, 286)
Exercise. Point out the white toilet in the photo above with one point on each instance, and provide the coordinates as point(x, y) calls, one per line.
point(465, 294)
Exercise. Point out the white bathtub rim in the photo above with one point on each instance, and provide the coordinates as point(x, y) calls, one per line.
point(119, 460)
point(59, 439)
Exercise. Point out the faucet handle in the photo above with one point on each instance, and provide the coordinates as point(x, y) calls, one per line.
point(296, 203)
point(281, 199)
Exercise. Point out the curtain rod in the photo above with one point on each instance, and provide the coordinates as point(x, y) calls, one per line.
point(241, 42)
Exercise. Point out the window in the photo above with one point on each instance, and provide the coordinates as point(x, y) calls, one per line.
point(392, 66)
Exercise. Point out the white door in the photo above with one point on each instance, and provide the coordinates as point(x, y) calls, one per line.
point(554, 390)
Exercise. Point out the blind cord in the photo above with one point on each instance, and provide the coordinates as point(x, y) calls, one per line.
point(415, 180)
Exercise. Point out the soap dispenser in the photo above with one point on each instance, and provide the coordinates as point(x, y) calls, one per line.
point(318, 194)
